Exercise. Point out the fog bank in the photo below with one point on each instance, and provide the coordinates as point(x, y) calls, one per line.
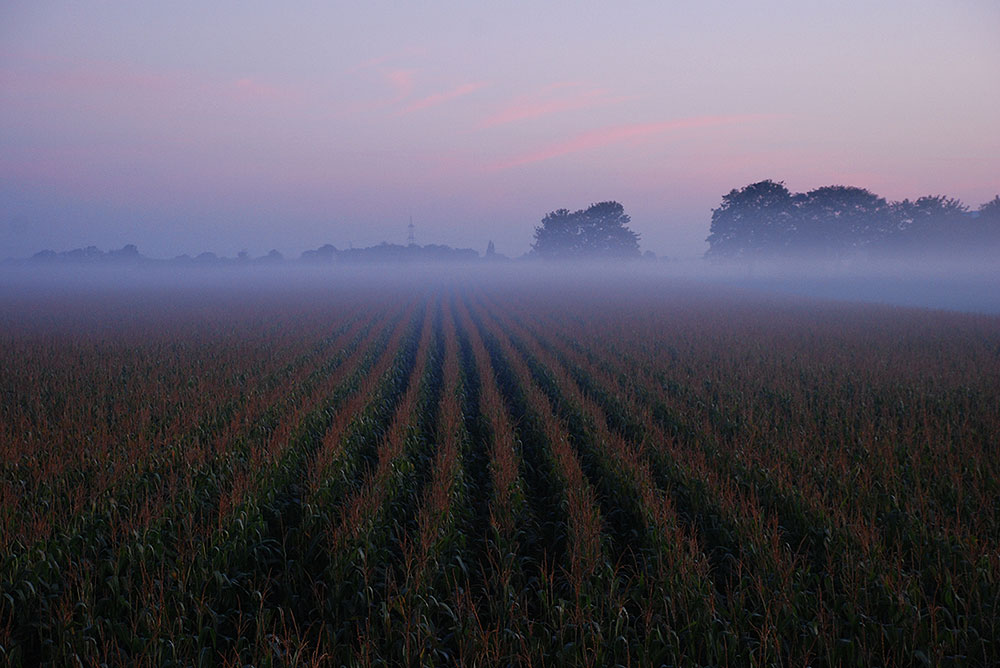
point(942, 284)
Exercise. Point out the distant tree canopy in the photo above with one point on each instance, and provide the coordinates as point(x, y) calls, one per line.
point(754, 220)
point(600, 231)
point(765, 220)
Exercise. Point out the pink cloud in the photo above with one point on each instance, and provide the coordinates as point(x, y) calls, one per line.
point(81, 77)
point(441, 98)
point(613, 135)
point(543, 104)
point(401, 82)
point(248, 87)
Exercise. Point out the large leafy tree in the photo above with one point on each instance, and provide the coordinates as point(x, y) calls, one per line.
point(932, 223)
point(755, 220)
point(600, 231)
point(835, 220)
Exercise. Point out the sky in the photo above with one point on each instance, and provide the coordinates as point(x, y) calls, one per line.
point(185, 127)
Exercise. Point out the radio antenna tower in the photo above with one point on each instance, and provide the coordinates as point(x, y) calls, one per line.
point(411, 240)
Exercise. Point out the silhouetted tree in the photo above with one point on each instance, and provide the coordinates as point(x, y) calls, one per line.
point(386, 253)
point(990, 210)
point(127, 252)
point(324, 254)
point(933, 223)
point(987, 225)
point(764, 220)
point(92, 254)
point(273, 256)
point(600, 231)
point(837, 220)
point(756, 220)
point(927, 212)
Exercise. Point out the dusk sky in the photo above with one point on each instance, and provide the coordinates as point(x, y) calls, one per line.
point(190, 126)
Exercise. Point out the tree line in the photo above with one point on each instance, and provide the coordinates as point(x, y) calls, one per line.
point(765, 219)
point(760, 220)
point(383, 253)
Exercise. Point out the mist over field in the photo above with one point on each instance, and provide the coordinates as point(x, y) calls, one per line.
point(958, 284)
point(493, 464)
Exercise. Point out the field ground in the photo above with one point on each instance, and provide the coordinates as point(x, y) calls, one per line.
point(500, 473)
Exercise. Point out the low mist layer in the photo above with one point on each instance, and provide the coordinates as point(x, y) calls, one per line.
point(958, 284)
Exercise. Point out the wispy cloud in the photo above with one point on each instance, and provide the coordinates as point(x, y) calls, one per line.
point(552, 99)
point(440, 98)
point(401, 82)
point(253, 89)
point(114, 80)
point(393, 70)
point(612, 135)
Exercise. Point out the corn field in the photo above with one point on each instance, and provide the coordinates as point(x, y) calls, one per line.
point(496, 475)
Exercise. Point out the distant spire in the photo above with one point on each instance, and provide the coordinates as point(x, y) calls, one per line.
point(411, 240)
